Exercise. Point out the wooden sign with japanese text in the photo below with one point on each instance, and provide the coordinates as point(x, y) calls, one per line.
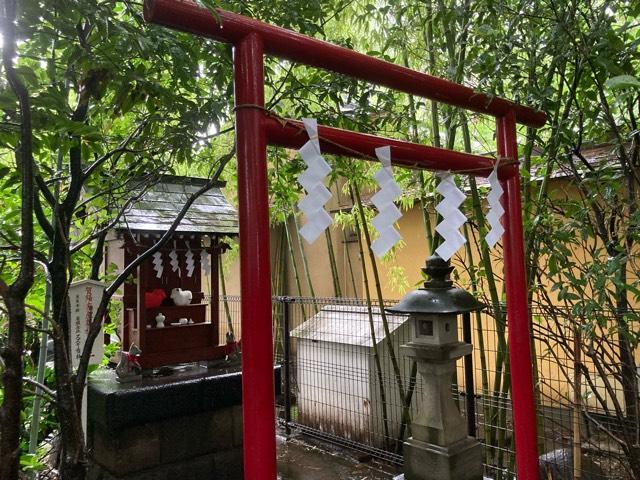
point(84, 298)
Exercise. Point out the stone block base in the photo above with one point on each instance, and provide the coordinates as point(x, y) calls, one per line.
point(206, 446)
point(225, 465)
point(187, 426)
point(425, 461)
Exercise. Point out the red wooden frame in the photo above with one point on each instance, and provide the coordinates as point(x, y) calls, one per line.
point(172, 344)
point(253, 39)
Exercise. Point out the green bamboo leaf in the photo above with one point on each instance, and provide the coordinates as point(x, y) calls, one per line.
point(623, 81)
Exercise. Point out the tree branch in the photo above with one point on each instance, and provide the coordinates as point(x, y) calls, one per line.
point(43, 221)
point(40, 386)
point(118, 150)
point(78, 246)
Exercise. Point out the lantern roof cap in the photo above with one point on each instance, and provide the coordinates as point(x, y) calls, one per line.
point(438, 294)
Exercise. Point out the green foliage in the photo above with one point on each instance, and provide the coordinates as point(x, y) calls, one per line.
point(623, 81)
point(135, 99)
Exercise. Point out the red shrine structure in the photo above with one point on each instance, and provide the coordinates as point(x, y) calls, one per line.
point(255, 128)
point(194, 250)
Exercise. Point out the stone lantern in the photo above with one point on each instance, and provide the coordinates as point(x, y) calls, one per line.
point(439, 448)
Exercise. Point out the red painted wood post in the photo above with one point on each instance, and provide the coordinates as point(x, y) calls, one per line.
point(258, 394)
point(522, 391)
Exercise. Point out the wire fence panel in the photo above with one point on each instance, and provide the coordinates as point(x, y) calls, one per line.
point(341, 384)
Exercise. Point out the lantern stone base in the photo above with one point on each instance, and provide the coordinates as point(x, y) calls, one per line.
point(186, 426)
point(460, 461)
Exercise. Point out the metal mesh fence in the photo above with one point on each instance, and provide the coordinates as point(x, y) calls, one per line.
point(341, 383)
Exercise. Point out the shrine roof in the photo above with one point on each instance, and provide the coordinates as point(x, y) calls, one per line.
point(347, 325)
point(159, 204)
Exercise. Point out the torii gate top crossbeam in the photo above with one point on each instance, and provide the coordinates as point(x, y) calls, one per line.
point(285, 44)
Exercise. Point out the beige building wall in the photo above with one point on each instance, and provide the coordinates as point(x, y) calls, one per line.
point(407, 262)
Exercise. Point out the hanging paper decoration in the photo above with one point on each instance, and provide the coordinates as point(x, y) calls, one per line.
point(452, 217)
point(388, 213)
point(311, 180)
point(173, 255)
point(495, 210)
point(190, 264)
point(204, 262)
point(157, 264)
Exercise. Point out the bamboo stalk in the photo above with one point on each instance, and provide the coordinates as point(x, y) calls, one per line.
point(348, 254)
point(385, 324)
point(305, 265)
point(337, 291)
point(485, 257)
point(374, 341)
point(479, 329)
point(347, 250)
point(295, 267)
point(223, 287)
point(280, 289)
point(577, 403)
point(501, 424)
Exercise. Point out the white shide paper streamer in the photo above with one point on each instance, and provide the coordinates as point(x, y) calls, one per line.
point(204, 262)
point(190, 264)
point(312, 205)
point(157, 264)
point(388, 213)
point(495, 210)
point(452, 217)
point(173, 255)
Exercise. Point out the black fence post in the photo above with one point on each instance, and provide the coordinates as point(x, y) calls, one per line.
point(286, 301)
point(469, 386)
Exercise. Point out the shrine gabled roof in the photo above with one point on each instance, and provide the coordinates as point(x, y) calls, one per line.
point(347, 325)
point(160, 203)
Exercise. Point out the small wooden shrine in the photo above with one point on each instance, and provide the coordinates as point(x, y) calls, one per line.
point(173, 330)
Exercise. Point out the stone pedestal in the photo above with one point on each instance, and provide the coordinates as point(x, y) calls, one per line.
point(426, 461)
point(186, 426)
point(440, 448)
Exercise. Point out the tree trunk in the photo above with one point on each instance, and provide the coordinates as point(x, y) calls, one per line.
point(14, 295)
point(12, 382)
point(73, 458)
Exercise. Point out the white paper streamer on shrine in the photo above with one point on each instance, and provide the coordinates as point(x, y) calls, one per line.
point(452, 217)
point(204, 262)
point(173, 255)
point(157, 264)
point(388, 213)
point(190, 264)
point(312, 205)
point(496, 211)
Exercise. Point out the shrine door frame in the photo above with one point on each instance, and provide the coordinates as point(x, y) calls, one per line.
point(255, 129)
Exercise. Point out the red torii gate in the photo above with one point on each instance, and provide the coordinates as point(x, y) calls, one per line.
point(255, 129)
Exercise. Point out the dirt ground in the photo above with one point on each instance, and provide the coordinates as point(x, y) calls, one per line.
point(303, 459)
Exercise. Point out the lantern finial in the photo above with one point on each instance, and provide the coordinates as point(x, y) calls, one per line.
point(438, 271)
